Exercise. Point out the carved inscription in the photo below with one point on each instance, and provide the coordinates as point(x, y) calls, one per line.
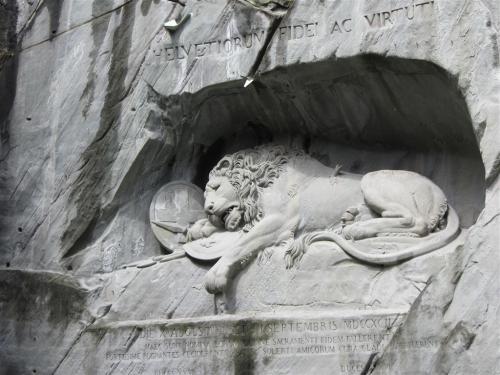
point(395, 15)
point(193, 347)
point(223, 47)
point(384, 18)
point(292, 32)
point(299, 31)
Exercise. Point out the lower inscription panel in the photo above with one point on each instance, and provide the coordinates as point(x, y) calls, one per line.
point(320, 343)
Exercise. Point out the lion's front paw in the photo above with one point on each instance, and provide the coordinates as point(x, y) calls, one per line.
point(195, 232)
point(201, 229)
point(354, 232)
point(216, 279)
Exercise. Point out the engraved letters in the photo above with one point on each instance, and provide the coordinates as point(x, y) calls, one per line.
point(224, 47)
point(234, 44)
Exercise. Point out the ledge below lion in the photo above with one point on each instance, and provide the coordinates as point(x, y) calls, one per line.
point(328, 278)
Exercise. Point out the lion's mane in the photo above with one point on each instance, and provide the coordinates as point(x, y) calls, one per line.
point(250, 171)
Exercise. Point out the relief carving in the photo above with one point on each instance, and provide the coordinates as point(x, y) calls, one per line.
point(273, 196)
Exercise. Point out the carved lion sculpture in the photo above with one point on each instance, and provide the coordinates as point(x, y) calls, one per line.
point(277, 196)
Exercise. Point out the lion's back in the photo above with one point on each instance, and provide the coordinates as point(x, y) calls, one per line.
point(320, 195)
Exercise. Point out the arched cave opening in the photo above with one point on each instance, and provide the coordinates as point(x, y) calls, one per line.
point(365, 113)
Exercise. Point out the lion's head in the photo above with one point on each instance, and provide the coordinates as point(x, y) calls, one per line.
point(232, 194)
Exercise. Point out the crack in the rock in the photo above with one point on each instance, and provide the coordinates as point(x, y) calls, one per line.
point(172, 312)
point(30, 19)
point(396, 329)
point(136, 78)
point(493, 172)
point(490, 220)
point(128, 284)
point(181, 3)
point(368, 365)
point(83, 330)
point(19, 183)
point(267, 42)
point(66, 354)
point(262, 52)
point(52, 37)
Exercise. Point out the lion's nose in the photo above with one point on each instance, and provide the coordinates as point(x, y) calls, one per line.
point(209, 207)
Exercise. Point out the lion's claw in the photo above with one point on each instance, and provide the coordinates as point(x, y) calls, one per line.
point(349, 215)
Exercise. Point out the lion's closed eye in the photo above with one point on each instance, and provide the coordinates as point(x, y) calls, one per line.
point(213, 186)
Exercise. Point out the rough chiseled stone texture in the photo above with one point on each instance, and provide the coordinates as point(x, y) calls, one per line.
point(326, 277)
point(96, 113)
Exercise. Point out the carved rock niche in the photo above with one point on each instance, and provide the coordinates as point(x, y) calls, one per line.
point(364, 113)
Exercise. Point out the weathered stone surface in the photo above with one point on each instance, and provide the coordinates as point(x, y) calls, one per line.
point(100, 106)
point(167, 290)
point(43, 313)
point(246, 344)
point(328, 278)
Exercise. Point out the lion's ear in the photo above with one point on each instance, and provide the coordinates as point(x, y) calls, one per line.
point(223, 164)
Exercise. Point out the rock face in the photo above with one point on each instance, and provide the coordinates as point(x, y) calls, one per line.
point(101, 105)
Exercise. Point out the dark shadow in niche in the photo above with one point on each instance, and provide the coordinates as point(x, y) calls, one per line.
point(250, 136)
point(366, 113)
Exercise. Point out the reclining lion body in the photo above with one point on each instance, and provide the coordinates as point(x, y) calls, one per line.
point(411, 203)
point(275, 196)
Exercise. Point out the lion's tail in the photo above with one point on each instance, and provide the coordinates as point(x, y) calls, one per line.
point(433, 242)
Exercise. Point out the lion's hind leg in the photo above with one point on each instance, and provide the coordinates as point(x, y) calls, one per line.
point(381, 226)
point(389, 196)
point(395, 220)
